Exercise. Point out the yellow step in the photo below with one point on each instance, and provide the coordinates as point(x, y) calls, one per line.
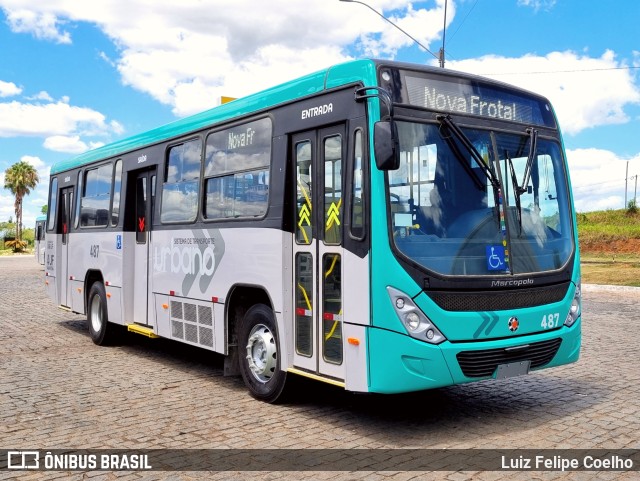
point(142, 330)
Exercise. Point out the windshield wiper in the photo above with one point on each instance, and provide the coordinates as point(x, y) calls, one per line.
point(466, 143)
point(533, 144)
point(517, 190)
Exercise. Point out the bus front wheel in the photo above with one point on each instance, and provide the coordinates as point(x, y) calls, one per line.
point(259, 350)
point(97, 316)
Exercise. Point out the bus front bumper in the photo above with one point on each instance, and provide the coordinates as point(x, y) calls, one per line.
point(399, 363)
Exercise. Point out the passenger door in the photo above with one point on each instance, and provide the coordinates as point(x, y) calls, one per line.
point(145, 191)
point(318, 156)
point(66, 201)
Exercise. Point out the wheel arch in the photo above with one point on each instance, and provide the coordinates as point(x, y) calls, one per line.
point(92, 276)
point(240, 299)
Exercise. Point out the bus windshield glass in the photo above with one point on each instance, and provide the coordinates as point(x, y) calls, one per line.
point(449, 215)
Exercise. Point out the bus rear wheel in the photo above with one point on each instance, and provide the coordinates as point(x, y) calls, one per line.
point(101, 331)
point(259, 350)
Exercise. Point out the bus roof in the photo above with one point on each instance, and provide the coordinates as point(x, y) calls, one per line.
point(353, 71)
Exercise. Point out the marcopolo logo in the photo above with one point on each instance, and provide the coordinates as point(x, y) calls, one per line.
point(513, 283)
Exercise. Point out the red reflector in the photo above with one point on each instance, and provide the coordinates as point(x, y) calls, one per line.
point(106, 283)
point(327, 316)
point(214, 299)
point(172, 293)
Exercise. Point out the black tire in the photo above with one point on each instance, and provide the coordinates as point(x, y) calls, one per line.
point(259, 355)
point(102, 332)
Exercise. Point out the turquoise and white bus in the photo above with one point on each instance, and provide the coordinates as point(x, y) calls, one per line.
point(380, 226)
point(38, 236)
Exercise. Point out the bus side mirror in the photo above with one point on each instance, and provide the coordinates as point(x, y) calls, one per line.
point(385, 145)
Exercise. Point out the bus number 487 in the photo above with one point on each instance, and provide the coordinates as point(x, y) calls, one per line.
point(93, 250)
point(550, 321)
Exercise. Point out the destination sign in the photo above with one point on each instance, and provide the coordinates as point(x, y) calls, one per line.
point(469, 97)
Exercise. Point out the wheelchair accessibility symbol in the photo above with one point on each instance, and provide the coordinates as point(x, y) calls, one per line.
point(495, 258)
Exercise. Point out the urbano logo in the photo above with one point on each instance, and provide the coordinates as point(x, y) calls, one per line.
point(23, 460)
point(186, 255)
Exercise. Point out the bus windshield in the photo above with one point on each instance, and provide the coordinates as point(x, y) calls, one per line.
point(454, 216)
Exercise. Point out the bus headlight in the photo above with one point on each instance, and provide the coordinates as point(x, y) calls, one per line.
point(417, 324)
point(412, 320)
point(576, 306)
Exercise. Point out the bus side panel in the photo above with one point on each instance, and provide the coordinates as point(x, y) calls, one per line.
point(197, 269)
point(93, 250)
point(356, 309)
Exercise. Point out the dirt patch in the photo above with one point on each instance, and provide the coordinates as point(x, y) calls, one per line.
point(627, 246)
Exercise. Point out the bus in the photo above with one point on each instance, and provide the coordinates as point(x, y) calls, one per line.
point(379, 226)
point(38, 243)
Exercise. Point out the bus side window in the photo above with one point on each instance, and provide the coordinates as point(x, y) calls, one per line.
point(94, 211)
point(117, 183)
point(237, 171)
point(53, 205)
point(357, 189)
point(180, 190)
point(76, 214)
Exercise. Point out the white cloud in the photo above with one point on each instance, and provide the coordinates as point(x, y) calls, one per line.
point(69, 144)
point(585, 91)
point(187, 54)
point(42, 95)
point(9, 89)
point(598, 178)
point(538, 4)
point(55, 118)
point(43, 25)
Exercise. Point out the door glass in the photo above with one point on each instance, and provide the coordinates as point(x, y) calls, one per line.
point(357, 198)
point(141, 210)
point(66, 211)
point(304, 307)
point(51, 221)
point(332, 308)
point(332, 190)
point(304, 229)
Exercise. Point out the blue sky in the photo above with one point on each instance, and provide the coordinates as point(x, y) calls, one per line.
point(77, 74)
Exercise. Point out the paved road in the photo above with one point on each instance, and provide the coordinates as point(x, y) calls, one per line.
point(59, 390)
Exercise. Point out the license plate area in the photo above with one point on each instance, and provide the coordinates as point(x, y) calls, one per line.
point(512, 369)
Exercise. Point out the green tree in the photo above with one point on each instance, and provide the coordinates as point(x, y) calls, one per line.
point(20, 178)
point(45, 208)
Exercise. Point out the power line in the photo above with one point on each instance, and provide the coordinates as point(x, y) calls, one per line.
point(584, 186)
point(563, 71)
point(463, 20)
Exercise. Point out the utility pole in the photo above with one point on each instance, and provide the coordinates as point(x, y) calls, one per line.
point(626, 180)
point(444, 32)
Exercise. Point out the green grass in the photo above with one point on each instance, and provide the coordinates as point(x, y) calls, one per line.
point(610, 247)
point(601, 226)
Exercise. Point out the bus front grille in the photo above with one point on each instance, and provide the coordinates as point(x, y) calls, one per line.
point(484, 363)
point(498, 300)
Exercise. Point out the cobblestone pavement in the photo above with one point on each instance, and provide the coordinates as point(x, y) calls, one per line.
point(59, 390)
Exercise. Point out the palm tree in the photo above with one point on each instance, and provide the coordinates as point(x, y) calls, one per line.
point(20, 178)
